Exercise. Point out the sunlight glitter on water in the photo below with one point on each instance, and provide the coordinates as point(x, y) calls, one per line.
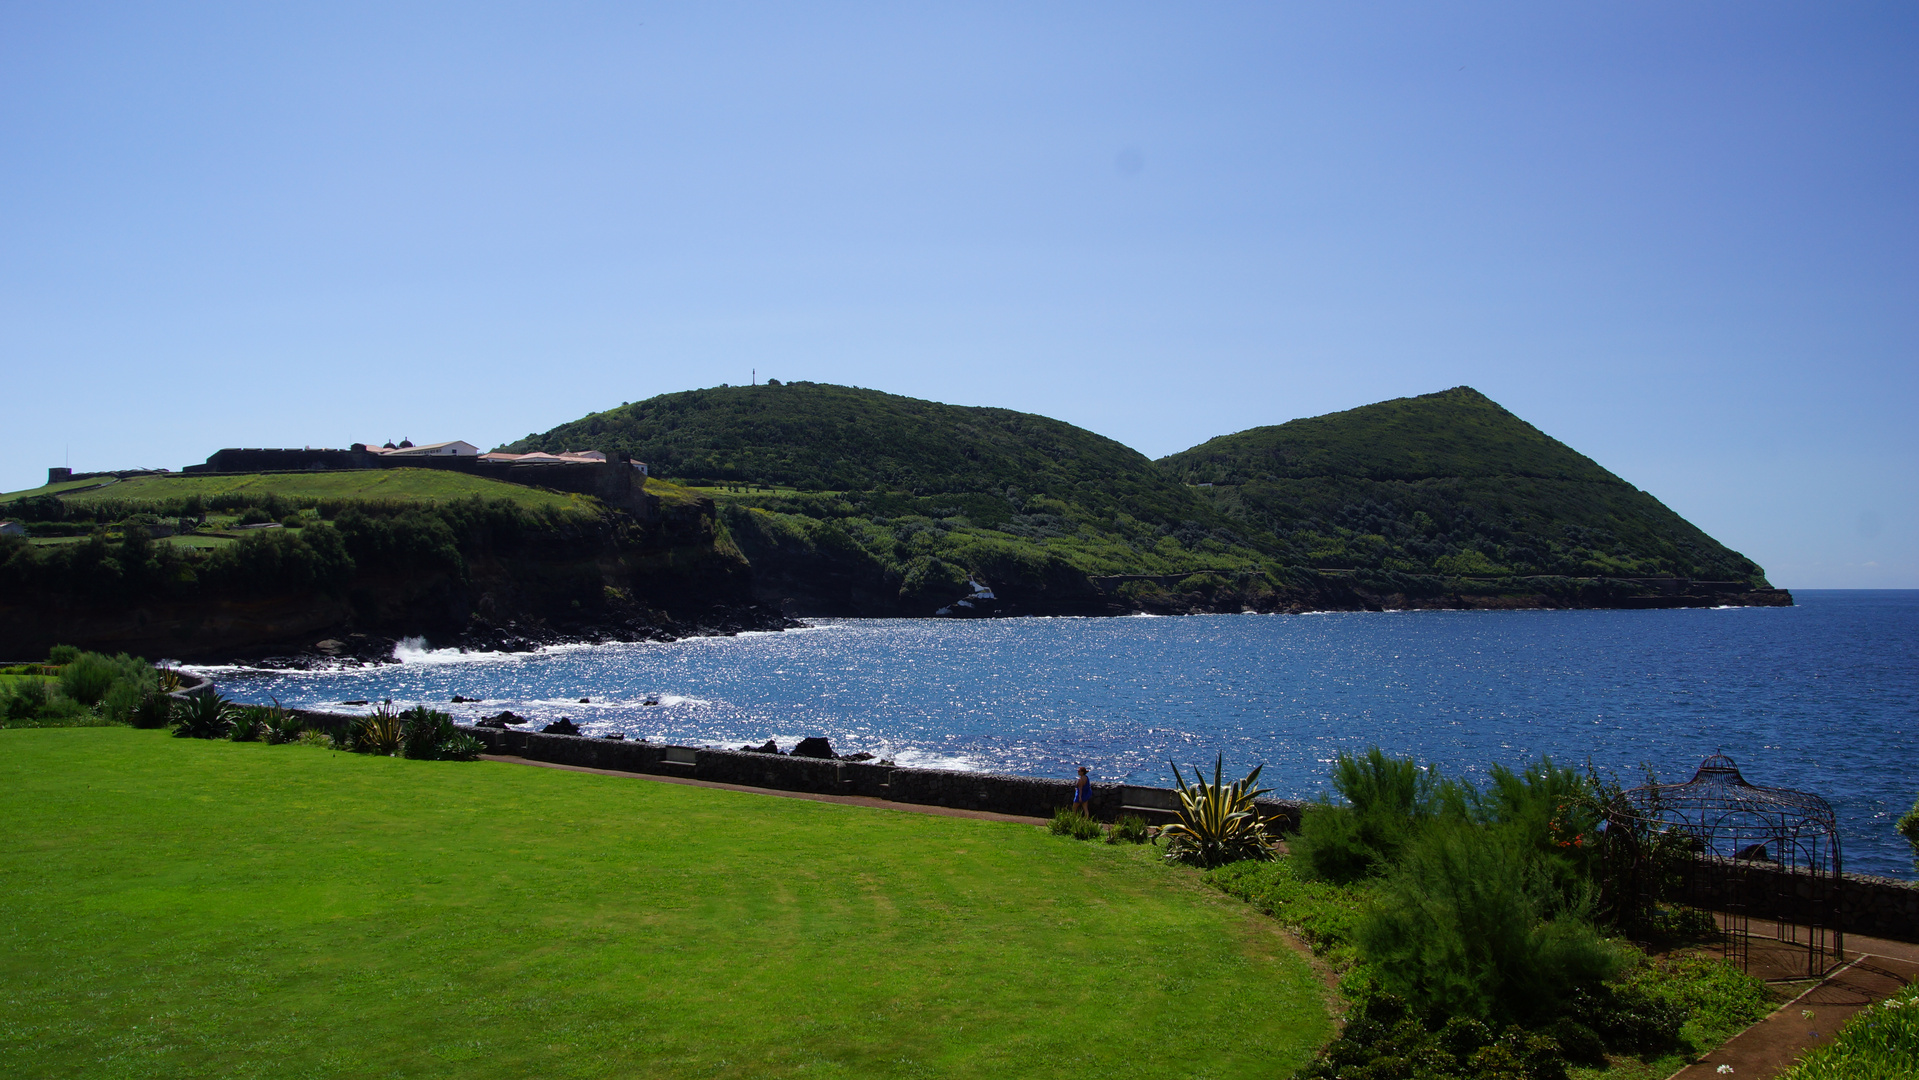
point(1808, 697)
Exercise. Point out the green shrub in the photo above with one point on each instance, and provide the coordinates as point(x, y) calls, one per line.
point(63, 654)
point(1880, 1042)
point(27, 698)
point(1464, 925)
point(1129, 829)
point(461, 747)
point(1689, 1002)
point(1909, 828)
point(1386, 1040)
point(1388, 801)
point(1070, 822)
point(121, 699)
point(422, 731)
point(153, 710)
point(87, 678)
point(38, 702)
point(282, 728)
point(320, 739)
point(1326, 915)
point(202, 716)
point(1218, 822)
point(247, 724)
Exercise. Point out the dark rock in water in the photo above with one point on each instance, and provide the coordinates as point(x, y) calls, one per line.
point(815, 747)
point(501, 720)
point(861, 756)
point(362, 701)
point(1753, 853)
point(651, 701)
point(769, 748)
point(586, 701)
point(562, 726)
point(458, 700)
point(613, 735)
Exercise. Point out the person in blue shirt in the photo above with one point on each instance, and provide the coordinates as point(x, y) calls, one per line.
point(1083, 793)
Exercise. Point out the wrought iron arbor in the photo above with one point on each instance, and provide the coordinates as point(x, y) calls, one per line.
point(1758, 855)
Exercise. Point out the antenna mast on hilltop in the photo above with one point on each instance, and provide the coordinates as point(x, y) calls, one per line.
point(756, 377)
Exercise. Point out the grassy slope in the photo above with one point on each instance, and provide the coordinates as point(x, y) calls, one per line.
point(194, 909)
point(372, 484)
point(843, 438)
point(1448, 483)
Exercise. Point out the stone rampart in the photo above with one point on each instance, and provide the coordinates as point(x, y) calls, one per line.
point(999, 793)
point(1857, 903)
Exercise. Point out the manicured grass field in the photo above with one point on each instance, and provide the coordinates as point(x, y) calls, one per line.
point(184, 908)
point(398, 484)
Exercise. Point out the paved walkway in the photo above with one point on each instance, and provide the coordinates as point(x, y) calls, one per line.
point(844, 800)
point(1877, 968)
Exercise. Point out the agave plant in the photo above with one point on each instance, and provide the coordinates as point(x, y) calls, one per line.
point(202, 716)
point(379, 732)
point(281, 728)
point(1217, 822)
point(170, 680)
point(422, 730)
point(247, 723)
point(461, 747)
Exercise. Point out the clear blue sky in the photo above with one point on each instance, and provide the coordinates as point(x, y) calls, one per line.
point(1683, 238)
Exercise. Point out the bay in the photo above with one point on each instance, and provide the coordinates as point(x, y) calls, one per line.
point(1822, 697)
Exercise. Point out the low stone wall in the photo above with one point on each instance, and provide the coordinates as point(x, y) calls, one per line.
point(1865, 904)
point(1021, 796)
point(191, 686)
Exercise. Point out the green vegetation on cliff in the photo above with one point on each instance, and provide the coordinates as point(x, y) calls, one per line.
point(155, 494)
point(397, 551)
point(1446, 483)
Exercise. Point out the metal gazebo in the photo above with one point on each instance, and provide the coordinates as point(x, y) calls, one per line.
point(1765, 858)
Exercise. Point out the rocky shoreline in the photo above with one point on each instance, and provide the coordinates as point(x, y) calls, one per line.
point(515, 636)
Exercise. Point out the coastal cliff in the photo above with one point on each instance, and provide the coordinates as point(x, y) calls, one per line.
point(349, 578)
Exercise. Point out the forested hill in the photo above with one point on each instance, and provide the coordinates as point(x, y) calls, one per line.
point(855, 502)
point(1446, 483)
point(816, 437)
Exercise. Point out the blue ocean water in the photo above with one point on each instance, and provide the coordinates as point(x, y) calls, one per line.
point(1823, 697)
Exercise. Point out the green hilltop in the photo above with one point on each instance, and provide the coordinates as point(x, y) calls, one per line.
point(856, 502)
point(1446, 483)
point(852, 501)
point(815, 437)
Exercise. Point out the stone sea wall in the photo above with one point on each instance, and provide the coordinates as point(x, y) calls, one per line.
point(1022, 796)
point(1865, 904)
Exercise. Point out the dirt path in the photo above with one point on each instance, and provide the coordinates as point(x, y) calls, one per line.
point(1877, 969)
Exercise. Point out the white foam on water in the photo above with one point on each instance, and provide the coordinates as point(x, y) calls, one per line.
point(413, 651)
point(911, 758)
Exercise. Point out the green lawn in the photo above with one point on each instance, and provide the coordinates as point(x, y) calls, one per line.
point(407, 484)
point(183, 908)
